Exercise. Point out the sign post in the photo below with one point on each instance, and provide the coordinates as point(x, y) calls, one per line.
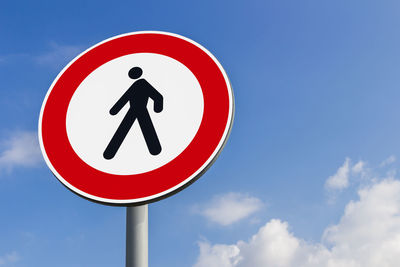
point(135, 119)
point(137, 236)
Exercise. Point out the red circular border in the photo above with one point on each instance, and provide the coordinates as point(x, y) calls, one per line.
point(145, 185)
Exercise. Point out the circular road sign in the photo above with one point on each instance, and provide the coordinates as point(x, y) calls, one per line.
point(136, 118)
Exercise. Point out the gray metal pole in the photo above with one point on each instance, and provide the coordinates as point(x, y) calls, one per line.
point(137, 236)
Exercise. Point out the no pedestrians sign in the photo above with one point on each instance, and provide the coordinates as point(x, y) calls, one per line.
point(136, 118)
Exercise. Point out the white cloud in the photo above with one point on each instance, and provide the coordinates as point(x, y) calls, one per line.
point(21, 149)
point(9, 258)
point(388, 161)
point(367, 235)
point(59, 55)
point(340, 179)
point(217, 255)
point(230, 208)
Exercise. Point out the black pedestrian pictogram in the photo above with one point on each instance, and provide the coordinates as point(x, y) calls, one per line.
point(137, 95)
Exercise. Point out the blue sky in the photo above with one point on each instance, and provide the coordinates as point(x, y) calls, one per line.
point(311, 158)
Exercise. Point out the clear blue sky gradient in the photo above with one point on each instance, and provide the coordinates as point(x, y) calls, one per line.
point(314, 82)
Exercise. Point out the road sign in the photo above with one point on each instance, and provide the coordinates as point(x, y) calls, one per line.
point(136, 118)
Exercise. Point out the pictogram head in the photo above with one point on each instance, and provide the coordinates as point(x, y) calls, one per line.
point(135, 73)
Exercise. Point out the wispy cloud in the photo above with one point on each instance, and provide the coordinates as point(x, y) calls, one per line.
point(230, 208)
point(359, 167)
point(16, 57)
point(388, 161)
point(9, 258)
point(368, 235)
point(340, 179)
point(20, 150)
point(58, 55)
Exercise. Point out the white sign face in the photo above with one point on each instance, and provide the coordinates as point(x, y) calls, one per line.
point(90, 126)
